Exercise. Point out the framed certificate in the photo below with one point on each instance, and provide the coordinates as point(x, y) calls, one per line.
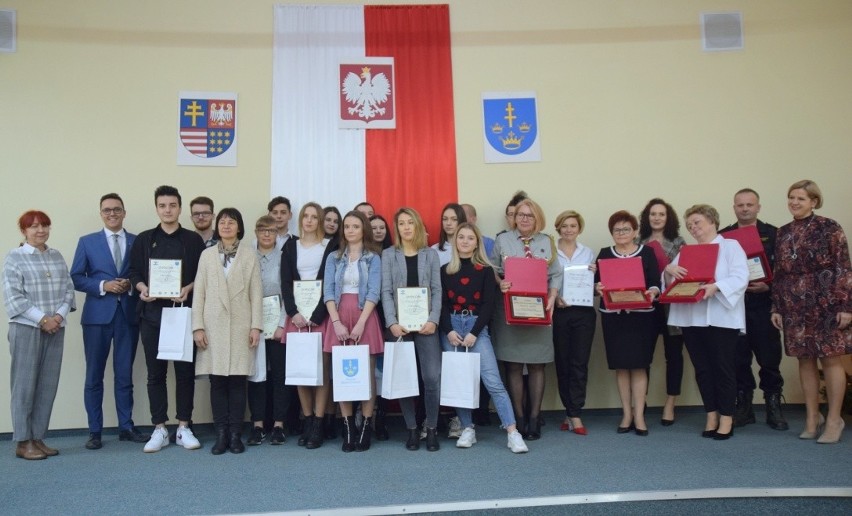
point(685, 289)
point(164, 277)
point(626, 296)
point(700, 262)
point(578, 284)
point(756, 272)
point(271, 315)
point(527, 307)
point(412, 307)
point(307, 294)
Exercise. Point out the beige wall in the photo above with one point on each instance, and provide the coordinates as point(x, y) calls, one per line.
point(629, 108)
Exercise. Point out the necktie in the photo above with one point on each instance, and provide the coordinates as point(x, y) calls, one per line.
point(527, 250)
point(116, 253)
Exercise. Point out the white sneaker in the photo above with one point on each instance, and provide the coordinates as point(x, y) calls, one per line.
point(186, 438)
point(467, 439)
point(159, 439)
point(455, 428)
point(516, 443)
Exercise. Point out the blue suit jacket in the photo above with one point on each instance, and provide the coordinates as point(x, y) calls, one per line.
point(92, 264)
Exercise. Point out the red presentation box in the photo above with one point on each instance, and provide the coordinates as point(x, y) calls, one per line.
point(758, 263)
point(659, 254)
point(699, 260)
point(624, 283)
point(526, 300)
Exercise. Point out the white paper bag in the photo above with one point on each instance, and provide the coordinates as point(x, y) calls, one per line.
point(399, 377)
point(351, 372)
point(460, 379)
point(176, 334)
point(303, 359)
point(259, 362)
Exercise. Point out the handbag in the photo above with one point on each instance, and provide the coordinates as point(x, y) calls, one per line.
point(303, 359)
point(175, 341)
point(351, 372)
point(460, 379)
point(399, 377)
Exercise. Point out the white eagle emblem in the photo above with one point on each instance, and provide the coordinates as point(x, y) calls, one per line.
point(221, 114)
point(367, 95)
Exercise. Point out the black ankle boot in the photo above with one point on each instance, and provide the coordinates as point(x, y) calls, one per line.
point(521, 423)
point(330, 427)
point(381, 430)
point(221, 445)
point(744, 414)
point(307, 426)
point(774, 417)
point(315, 438)
point(236, 443)
point(349, 434)
point(534, 432)
point(432, 443)
point(413, 442)
point(365, 435)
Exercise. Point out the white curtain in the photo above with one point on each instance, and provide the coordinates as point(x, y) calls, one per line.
point(313, 160)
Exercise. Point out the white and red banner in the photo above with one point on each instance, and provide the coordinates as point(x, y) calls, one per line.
point(313, 159)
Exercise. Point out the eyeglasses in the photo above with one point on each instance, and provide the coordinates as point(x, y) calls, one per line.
point(265, 231)
point(525, 216)
point(116, 211)
point(202, 214)
point(621, 231)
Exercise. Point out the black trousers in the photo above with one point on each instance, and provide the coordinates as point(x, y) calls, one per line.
point(228, 401)
point(713, 354)
point(158, 397)
point(673, 350)
point(573, 333)
point(764, 342)
point(281, 394)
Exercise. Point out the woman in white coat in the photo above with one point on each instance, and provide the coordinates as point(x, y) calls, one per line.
point(227, 323)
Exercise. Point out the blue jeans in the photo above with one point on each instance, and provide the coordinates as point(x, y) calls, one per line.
point(488, 371)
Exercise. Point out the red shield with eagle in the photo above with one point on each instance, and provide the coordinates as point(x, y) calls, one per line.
point(367, 94)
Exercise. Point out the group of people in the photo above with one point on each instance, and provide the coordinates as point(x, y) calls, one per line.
point(363, 259)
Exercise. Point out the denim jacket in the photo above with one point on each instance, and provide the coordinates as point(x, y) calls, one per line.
point(369, 284)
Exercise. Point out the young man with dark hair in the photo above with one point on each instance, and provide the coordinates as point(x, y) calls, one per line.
point(202, 213)
point(280, 210)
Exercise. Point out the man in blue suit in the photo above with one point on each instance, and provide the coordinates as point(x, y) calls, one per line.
point(100, 269)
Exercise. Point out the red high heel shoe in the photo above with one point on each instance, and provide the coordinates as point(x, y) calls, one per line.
point(568, 426)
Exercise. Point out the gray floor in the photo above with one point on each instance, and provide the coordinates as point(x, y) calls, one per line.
point(120, 478)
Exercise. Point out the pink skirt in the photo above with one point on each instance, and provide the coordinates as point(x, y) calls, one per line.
point(291, 328)
point(349, 314)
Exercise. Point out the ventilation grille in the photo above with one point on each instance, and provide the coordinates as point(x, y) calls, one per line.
point(722, 31)
point(7, 31)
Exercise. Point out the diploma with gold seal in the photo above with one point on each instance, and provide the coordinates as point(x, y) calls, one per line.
point(164, 277)
point(412, 307)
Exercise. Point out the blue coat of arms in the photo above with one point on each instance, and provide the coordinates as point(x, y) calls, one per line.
point(510, 124)
point(350, 367)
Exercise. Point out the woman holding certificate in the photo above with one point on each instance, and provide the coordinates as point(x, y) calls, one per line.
point(812, 305)
point(629, 334)
point(38, 294)
point(302, 259)
point(659, 223)
point(711, 325)
point(351, 289)
point(573, 319)
point(451, 216)
point(471, 293)
point(410, 267)
point(227, 321)
point(527, 344)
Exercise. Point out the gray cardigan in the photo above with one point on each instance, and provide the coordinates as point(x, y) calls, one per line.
point(395, 275)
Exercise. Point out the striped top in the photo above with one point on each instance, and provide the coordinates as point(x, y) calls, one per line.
point(36, 284)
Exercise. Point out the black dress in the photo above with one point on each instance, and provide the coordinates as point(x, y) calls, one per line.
point(630, 336)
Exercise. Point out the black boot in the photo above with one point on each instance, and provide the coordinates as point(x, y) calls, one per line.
point(432, 443)
point(365, 435)
point(534, 432)
point(330, 427)
point(307, 425)
point(349, 437)
point(744, 414)
point(521, 423)
point(315, 438)
point(774, 417)
point(380, 429)
point(236, 443)
point(221, 445)
point(413, 442)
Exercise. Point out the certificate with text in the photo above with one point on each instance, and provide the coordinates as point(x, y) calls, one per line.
point(164, 278)
point(756, 272)
point(308, 295)
point(685, 289)
point(578, 285)
point(528, 307)
point(412, 310)
point(271, 315)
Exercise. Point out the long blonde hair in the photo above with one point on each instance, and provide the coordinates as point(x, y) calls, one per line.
point(478, 257)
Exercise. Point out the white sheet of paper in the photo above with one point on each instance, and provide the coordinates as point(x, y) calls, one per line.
point(164, 278)
point(578, 285)
point(271, 315)
point(307, 294)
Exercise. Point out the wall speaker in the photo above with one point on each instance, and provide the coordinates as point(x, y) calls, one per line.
point(7, 31)
point(722, 31)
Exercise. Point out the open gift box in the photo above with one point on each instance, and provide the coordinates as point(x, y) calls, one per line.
point(526, 300)
point(699, 260)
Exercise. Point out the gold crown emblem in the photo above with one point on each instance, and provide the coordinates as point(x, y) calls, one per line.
point(365, 70)
point(496, 128)
point(524, 127)
point(511, 141)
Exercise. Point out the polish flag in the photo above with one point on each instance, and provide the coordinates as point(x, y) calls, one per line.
point(314, 160)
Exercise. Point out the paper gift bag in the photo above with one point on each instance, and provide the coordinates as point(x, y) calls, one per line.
point(351, 372)
point(259, 363)
point(460, 379)
point(303, 359)
point(176, 334)
point(399, 378)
